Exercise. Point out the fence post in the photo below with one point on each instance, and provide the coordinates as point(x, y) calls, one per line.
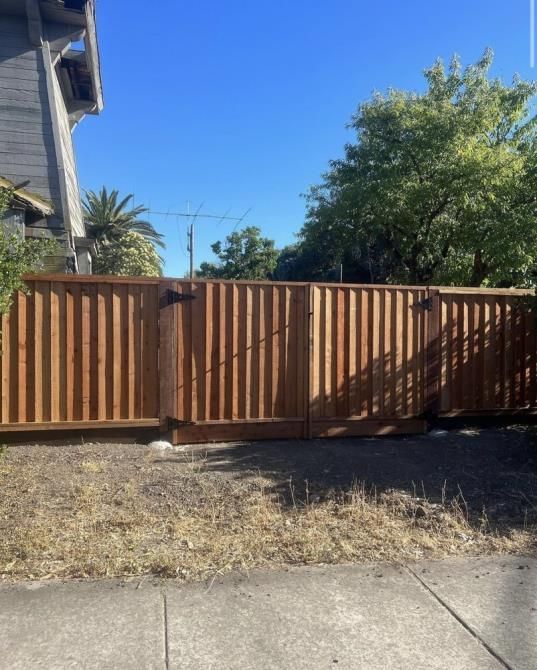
point(167, 360)
point(432, 352)
point(308, 354)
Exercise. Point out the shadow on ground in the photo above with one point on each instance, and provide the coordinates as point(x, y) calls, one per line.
point(491, 470)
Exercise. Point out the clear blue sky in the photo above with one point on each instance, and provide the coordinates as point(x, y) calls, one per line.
point(240, 103)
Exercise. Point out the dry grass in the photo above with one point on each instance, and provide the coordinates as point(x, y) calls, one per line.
point(92, 512)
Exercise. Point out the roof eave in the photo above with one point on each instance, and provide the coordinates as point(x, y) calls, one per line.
point(28, 199)
point(93, 57)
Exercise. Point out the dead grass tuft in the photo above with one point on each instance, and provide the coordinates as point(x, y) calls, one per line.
point(91, 513)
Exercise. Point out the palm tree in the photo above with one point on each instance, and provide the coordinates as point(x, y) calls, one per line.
point(107, 220)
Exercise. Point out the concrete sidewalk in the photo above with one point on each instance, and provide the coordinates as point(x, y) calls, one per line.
point(459, 614)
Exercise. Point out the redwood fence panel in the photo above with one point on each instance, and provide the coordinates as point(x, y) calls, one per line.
point(216, 360)
point(368, 359)
point(80, 353)
point(487, 352)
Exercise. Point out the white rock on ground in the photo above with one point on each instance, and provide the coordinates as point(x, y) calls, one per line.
point(160, 444)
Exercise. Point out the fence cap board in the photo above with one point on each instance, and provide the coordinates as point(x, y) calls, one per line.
point(93, 279)
point(115, 279)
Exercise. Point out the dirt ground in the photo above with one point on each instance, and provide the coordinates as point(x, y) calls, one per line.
point(119, 509)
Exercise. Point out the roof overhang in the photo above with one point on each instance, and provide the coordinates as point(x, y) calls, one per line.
point(27, 199)
point(84, 81)
point(67, 20)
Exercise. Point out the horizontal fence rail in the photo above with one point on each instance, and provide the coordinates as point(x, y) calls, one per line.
point(216, 360)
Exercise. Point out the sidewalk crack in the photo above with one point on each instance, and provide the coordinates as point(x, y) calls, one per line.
point(460, 620)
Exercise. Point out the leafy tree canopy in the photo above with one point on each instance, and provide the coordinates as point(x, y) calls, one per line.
point(108, 219)
point(17, 257)
point(243, 255)
point(439, 187)
point(130, 255)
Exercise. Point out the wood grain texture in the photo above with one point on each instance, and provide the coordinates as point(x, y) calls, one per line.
point(79, 352)
point(244, 360)
point(487, 353)
point(243, 352)
point(367, 352)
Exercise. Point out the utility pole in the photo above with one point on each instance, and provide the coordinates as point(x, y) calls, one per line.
point(191, 247)
point(190, 230)
point(190, 238)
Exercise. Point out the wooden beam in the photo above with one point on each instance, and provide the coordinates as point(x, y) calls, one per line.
point(78, 425)
point(513, 411)
point(94, 279)
point(167, 378)
point(368, 427)
point(35, 27)
point(433, 348)
point(92, 52)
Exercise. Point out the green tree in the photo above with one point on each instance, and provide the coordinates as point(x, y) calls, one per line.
point(243, 255)
point(17, 257)
point(439, 187)
point(130, 255)
point(108, 219)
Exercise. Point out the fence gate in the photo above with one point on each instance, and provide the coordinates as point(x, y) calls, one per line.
point(233, 360)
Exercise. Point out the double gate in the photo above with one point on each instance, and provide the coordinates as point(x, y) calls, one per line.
point(216, 360)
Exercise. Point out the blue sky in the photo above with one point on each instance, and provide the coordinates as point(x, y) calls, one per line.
point(240, 104)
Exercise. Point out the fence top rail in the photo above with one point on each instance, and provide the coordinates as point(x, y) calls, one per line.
point(92, 279)
point(115, 279)
point(443, 290)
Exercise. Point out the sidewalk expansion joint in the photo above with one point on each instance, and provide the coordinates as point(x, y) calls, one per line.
point(166, 641)
point(458, 618)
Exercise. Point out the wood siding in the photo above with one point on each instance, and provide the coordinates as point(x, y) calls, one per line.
point(35, 133)
point(27, 149)
point(215, 360)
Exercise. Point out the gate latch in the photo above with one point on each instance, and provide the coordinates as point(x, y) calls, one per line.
point(173, 297)
point(426, 303)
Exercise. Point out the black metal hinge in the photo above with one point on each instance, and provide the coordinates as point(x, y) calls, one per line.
point(173, 423)
point(426, 303)
point(173, 297)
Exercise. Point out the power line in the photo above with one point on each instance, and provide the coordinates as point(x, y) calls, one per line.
point(201, 216)
point(191, 230)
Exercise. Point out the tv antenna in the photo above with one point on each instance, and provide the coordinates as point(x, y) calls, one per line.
point(191, 227)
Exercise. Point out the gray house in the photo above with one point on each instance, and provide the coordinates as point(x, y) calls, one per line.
point(49, 80)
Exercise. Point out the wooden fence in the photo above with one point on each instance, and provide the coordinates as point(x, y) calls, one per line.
point(214, 360)
point(80, 353)
point(487, 352)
